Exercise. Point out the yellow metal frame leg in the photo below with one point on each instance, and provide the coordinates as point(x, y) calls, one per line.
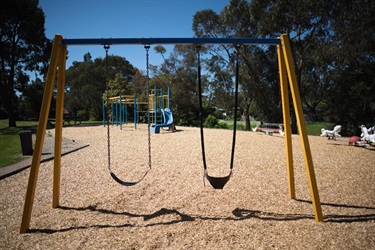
point(58, 128)
point(289, 63)
point(43, 118)
point(287, 127)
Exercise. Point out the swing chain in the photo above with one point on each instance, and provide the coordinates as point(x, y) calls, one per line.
point(218, 182)
point(147, 47)
point(106, 48)
point(237, 47)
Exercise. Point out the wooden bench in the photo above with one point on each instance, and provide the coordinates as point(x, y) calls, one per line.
point(68, 119)
point(269, 128)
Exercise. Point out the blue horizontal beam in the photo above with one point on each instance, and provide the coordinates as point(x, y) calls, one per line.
point(150, 41)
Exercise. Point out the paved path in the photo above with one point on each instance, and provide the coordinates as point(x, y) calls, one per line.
point(68, 146)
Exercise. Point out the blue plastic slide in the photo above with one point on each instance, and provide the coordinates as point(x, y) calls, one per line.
point(167, 121)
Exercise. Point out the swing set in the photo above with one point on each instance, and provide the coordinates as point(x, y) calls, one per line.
point(57, 69)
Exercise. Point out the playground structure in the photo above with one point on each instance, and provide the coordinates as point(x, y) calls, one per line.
point(119, 107)
point(368, 134)
point(367, 137)
point(57, 68)
point(167, 121)
point(331, 134)
point(157, 102)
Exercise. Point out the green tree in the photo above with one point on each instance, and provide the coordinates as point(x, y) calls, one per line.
point(212, 122)
point(31, 99)
point(23, 47)
point(352, 102)
point(86, 83)
point(333, 45)
point(258, 65)
point(179, 71)
point(307, 24)
point(138, 86)
point(118, 86)
point(218, 59)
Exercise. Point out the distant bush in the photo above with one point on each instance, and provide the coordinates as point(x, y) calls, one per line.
point(212, 122)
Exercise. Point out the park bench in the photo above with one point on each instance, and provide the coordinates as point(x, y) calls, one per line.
point(269, 128)
point(68, 119)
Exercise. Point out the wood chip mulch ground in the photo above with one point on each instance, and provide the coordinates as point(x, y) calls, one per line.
point(174, 208)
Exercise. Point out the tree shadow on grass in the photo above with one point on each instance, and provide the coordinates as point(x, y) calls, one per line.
point(239, 214)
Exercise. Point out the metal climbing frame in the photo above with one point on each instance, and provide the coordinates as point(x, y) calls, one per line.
point(158, 101)
point(57, 68)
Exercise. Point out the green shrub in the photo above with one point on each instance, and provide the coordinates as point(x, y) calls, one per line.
point(83, 115)
point(212, 122)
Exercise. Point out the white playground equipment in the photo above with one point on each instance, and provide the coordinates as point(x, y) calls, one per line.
point(368, 134)
point(331, 134)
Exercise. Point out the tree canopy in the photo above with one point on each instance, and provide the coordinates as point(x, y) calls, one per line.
point(332, 44)
point(86, 83)
point(23, 48)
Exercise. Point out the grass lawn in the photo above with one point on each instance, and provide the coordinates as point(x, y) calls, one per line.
point(10, 143)
point(313, 128)
point(241, 125)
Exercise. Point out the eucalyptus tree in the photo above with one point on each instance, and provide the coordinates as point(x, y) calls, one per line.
point(23, 48)
point(352, 69)
point(31, 100)
point(258, 84)
point(307, 24)
point(86, 83)
point(179, 72)
point(333, 44)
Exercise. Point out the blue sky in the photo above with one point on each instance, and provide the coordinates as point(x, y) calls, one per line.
point(122, 19)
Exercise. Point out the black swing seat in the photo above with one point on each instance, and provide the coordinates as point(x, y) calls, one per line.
point(126, 183)
point(218, 182)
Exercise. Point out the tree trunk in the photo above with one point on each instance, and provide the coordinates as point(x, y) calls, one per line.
point(294, 122)
point(12, 122)
point(7, 96)
point(10, 110)
point(245, 112)
point(247, 118)
point(9, 91)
